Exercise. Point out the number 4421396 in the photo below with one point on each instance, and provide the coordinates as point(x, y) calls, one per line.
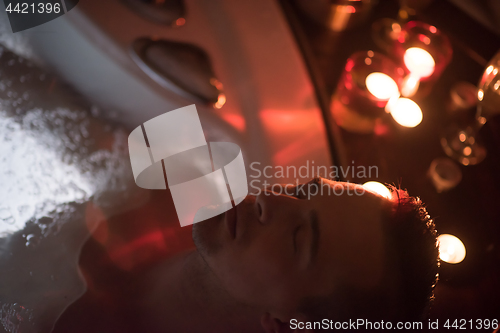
point(463, 324)
point(39, 8)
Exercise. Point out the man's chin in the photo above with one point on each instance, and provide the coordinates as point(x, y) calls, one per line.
point(207, 235)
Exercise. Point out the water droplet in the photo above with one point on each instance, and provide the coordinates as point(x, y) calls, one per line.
point(22, 209)
point(6, 216)
point(32, 240)
point(4, 212)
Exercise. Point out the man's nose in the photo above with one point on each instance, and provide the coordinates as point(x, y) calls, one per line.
point(269, 204)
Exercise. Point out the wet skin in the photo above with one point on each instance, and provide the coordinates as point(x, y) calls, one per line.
point(272, 251)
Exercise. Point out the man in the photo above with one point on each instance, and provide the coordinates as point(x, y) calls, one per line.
point(287, 262)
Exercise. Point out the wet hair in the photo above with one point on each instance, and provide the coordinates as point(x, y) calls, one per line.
point(412, 237)
point(410, 275)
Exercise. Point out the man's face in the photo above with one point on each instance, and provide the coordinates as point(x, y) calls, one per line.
point(272, 251)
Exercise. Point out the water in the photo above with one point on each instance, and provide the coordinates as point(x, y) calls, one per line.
point(58, 164)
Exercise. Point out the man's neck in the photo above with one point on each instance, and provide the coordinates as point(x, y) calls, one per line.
point(185, 294)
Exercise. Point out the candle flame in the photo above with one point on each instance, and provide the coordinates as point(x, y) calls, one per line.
point(406, 112)
point(381, 85)
point(419, 62)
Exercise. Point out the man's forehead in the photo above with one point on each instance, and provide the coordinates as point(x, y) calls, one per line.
point(352, 238)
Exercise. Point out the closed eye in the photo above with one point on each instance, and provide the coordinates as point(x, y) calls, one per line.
point(301, 190)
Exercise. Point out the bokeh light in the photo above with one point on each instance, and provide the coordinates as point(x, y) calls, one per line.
point(406, 112)
point(451, 249)
point(221, 100)
point(419, 62)
point(378, 188)
point(410, 85)
point(381, 85)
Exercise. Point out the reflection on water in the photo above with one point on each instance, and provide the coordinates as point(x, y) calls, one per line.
point(11, 315)
point(15, 42)
point(36, 176)
point(61, 172)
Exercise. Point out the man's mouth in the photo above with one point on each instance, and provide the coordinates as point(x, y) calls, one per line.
point(231, 221)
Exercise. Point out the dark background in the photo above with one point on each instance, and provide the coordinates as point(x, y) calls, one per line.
point(470, 211)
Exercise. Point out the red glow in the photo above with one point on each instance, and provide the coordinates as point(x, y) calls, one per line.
point(381, 129)
point(96, 223)
point(289, 126)
point(153, 239)
point(349, 9)
point(180, 22)
point(424, 39)
point(280, 121)
point(235, 120)
point(349, 65)
point(294, 151)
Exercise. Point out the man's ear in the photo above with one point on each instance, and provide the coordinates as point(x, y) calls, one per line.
point(272, 324)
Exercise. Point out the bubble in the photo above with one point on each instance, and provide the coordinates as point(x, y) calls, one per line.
point(32, 240)
point(6, 216)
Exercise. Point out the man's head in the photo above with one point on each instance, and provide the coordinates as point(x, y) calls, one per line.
point(340, 254)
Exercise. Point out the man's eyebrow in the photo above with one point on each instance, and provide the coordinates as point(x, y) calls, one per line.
point(315, 236)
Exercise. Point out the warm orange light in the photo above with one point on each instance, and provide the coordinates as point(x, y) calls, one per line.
point(410, 85)
point(467, 151)
point(235, 120)
point(419, 62)
point(480, 94)
point(378, 188)
point(340, 17)
point(221, 100)
point(180, 22)
point(292, 131)
point(216, 83)
point(406, 112)
point(451, 249)
point(349, 9)
point(381, 85)
point(395, 30)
